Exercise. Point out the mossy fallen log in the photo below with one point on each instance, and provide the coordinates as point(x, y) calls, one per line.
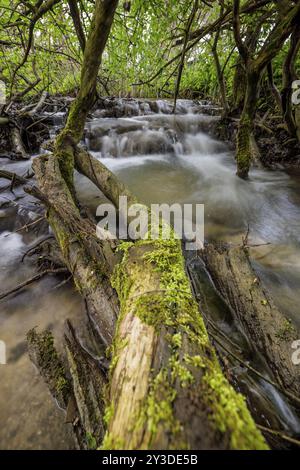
point(269, 330)
point(166, 387)
point(167, 390)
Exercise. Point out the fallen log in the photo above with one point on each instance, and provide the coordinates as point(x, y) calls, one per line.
point(89, 259)
point(16, 180)
point(167, 389)
point(77, 383)
point(161, 353)
point(270, 332)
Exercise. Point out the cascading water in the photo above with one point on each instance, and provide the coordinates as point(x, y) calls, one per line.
point(162, 158)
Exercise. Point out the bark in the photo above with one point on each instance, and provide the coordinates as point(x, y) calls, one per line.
point(274, 89)
point(77, 383)
point(220, 74)
point(88, 259)
point(17, 144)
point(184, 50)
point(74, 10)
point(103, 178)
point(39, 104)
point(266, 326)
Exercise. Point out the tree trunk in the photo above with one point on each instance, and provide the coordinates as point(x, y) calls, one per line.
point(239, 86)
point(274, 89)
point(245, 129)
point(269, 330)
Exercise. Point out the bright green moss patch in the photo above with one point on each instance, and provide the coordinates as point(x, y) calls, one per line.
point(230, 413)
point(158, 409)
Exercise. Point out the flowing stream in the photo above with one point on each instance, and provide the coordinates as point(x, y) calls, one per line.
point(162, 158)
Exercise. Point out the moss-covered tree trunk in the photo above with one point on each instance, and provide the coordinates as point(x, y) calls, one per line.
point(244, 152)
point(255, 62)
point(239, 86)
point(167, 390)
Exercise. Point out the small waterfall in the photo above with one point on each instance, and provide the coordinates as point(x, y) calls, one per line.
point(150, 129)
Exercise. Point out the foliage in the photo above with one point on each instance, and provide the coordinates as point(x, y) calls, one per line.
point(146, 36)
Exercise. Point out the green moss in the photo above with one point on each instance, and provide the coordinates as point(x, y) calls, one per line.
point(286, 330)
point(176, 340)
point(244, 153)
point(158, 408)
point(91, 442)
point(61, 384)
point(229, 412)
point(180, 371)
point(49, 363)
point(109, 412)
point(112, 443)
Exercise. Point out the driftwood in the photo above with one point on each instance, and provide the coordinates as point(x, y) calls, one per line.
point(273, 335)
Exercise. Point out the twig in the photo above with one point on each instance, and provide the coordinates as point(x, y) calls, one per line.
point(279, 434)
point(26, 226)
point(35, 278)
point(41, 242)
point(62, 283)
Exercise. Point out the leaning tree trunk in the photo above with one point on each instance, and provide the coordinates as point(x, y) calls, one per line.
point(166, 386)
point(239, 86)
